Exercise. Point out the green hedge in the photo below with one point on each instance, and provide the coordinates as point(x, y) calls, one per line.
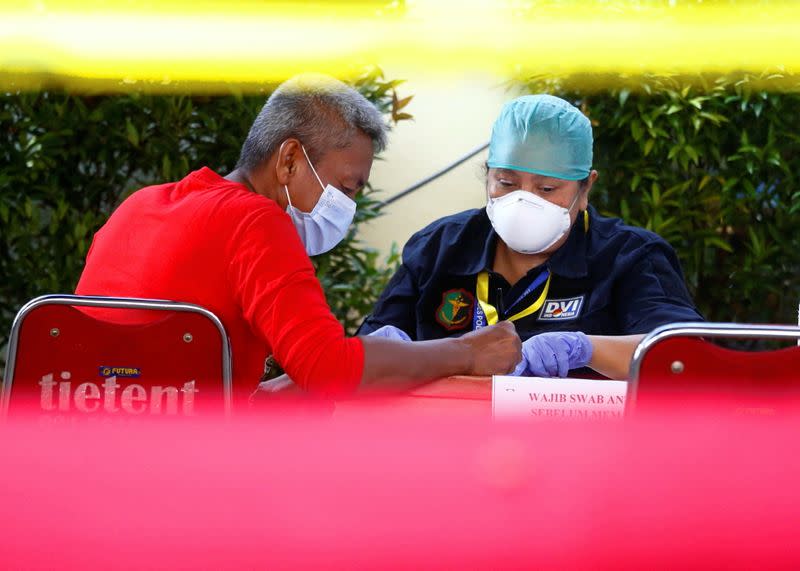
point(66, 161)
point(712, 165)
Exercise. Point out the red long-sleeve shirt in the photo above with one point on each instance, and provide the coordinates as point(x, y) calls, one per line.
point(212, 242)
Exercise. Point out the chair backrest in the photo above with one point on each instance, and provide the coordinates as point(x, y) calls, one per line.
point(73, 356)
point(678, 362)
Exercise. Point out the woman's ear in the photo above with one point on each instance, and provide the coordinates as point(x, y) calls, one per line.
point(584, 201)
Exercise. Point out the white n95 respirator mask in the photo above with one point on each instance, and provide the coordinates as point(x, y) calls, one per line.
point(528, 223)
point(327, 223)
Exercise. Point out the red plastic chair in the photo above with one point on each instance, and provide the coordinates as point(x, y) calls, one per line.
point(676, 364)
point(73, 356)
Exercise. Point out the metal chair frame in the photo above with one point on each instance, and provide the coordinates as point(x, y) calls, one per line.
point(702, 329)
point(114, 303)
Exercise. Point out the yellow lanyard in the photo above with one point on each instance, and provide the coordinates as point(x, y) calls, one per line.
point(490, 311)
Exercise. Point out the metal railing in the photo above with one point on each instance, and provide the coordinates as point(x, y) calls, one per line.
point(416, 186)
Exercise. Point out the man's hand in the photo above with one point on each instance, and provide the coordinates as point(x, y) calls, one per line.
point(495, 350)
point(554, 354)
point(282, 395)
point(276, 385)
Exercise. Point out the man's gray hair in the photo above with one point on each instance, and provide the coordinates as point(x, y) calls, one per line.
point(321, 112)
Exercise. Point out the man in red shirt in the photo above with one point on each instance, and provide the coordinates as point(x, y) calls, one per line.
point(239, 246)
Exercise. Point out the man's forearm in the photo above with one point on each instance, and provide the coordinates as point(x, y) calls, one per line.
point(611, 355)
point(486, 351)
point(398, 364)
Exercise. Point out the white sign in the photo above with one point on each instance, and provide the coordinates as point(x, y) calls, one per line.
point(545, 398)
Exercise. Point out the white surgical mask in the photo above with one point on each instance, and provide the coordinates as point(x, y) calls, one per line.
point(326, 225)
point(528, 223)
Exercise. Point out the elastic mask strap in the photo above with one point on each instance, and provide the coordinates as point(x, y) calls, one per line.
point(312, 167)
point(574, 200)
point(289, 198)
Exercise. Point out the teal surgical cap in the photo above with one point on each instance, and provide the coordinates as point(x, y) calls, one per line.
point(544, 135)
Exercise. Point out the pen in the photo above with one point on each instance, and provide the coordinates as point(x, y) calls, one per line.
point(500, 309)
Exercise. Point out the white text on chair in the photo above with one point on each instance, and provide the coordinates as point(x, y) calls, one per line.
point(134, 398)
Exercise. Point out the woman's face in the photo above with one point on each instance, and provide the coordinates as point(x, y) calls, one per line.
point(570, 194)
point(556, 190)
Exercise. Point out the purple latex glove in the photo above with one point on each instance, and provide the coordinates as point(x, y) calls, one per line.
point(554, 354)
point(390, 332)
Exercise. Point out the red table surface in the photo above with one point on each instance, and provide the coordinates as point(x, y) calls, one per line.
point(455, 395)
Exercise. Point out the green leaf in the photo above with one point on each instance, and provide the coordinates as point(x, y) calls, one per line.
point(636, 130)
point(673, 152)
point(401, 103)
point(719, 243)
point(655, 192)
point(692, 153)
point(697, 102)
point(132, 133)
